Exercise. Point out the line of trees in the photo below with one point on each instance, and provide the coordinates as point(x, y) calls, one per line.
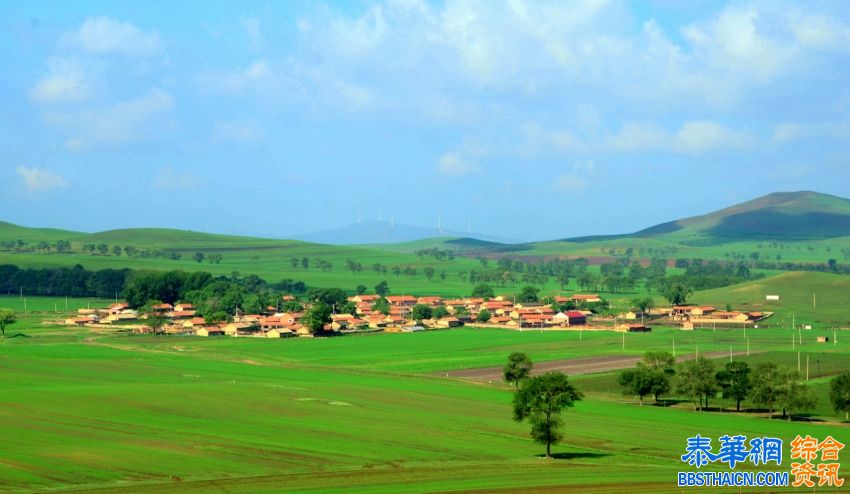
point(769, 386)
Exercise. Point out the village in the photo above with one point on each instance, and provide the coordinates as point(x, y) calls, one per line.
point(402, 313)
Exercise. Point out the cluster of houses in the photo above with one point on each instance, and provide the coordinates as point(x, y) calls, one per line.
point(182, 318)
point(689, 315)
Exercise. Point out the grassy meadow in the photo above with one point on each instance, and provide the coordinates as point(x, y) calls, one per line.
point(88, 410)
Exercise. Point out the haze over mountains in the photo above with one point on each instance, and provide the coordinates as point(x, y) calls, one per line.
point(779, 216)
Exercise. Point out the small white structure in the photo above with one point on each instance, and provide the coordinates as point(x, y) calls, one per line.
point(772, 297)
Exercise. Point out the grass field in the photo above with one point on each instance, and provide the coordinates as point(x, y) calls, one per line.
point(88, 410)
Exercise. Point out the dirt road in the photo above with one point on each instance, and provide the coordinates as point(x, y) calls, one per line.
point(572, 367)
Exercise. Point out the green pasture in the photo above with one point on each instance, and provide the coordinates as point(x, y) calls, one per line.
point(115, 412)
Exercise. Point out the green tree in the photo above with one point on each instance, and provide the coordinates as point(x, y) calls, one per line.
point(483, 316)
point(198, 257)
point(528, 294)
point(116, 250)
point(440, 312)
point(483, 291)
point(644, 304)
point(653, 375)
point(796, 397)
point(518, 368)
point(429, 272)
point(382, 305)
point(697, 381)
point(316, 317)
point(676, 293)
point(361, 289)
point(541, 399)
point(292, 306)
point(103, 249)
point(7, 317)
point(382, 289)
point(420, 312)
point(766, 389)
point(839, 393)
point(734, 381)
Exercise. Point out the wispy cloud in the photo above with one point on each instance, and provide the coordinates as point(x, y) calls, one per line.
point(169, 179)
point(107, 36)
point(40, 180)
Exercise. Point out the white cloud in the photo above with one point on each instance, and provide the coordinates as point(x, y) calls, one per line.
point(693, 137)
point(455, 164)
point(243, 131)
point(254, 31)
point(577, 179)
point(107, 36)
point(257, 74)
point(128, 121)
point(39, 180)
point(66, 82)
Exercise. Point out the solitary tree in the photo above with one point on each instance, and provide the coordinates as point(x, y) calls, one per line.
point(839, 393)
point(734, 380)
point(796, 396)
point(198, 257)
point(361, 289)
point(541, 399)
point(518, 368)
point(7, 317)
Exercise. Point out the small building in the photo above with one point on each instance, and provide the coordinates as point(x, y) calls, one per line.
point(449, 322)
point(209, 331)
point(279, 333)
point(823, 339)
point(586, 298)
point(634, 328)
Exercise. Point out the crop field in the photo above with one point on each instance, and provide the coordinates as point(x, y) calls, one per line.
point(112, 412)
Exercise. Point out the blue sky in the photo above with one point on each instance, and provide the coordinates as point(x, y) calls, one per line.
point(530, 120)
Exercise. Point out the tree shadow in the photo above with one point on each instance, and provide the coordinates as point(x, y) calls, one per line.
point(18, 335)
point(574, 455)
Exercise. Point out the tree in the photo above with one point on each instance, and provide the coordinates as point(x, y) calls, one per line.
point(382, 305)
point(102, 249)
point(796, 396)
point(316, 317)
point(528, 294)
point(116, 250)
point(382, 288)
point(518, 368)
point(644, 304)
point(292, 306)
point(765, 386)
point(361, 289)
point(697, 381)
point(198, 257)
point(420, 312)
point(651, 376)
point(541, 399)
point(7, 317)
point(483, 316)
point(440, 312)
point(676, 293)
point(482, 291)
point(429, 272)
point(734, 381)
point(839, 393)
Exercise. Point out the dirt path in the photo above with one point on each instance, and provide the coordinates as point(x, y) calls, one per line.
point(572, 367)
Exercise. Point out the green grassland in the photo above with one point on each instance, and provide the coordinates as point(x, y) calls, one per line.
point(818, 299)
point(85, 410)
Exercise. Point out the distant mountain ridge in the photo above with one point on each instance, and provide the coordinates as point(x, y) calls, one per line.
point(778, 216)
point(384, 232)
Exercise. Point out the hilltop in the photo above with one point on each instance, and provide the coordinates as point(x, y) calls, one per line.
point(779, 216)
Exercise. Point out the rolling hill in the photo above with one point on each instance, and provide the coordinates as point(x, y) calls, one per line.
point(779, 216)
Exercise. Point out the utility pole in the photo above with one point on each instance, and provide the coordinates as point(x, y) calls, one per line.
point(674, 347)
point(807, 367)
point(798, 361)
point(748, 347)
point(730, 354)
